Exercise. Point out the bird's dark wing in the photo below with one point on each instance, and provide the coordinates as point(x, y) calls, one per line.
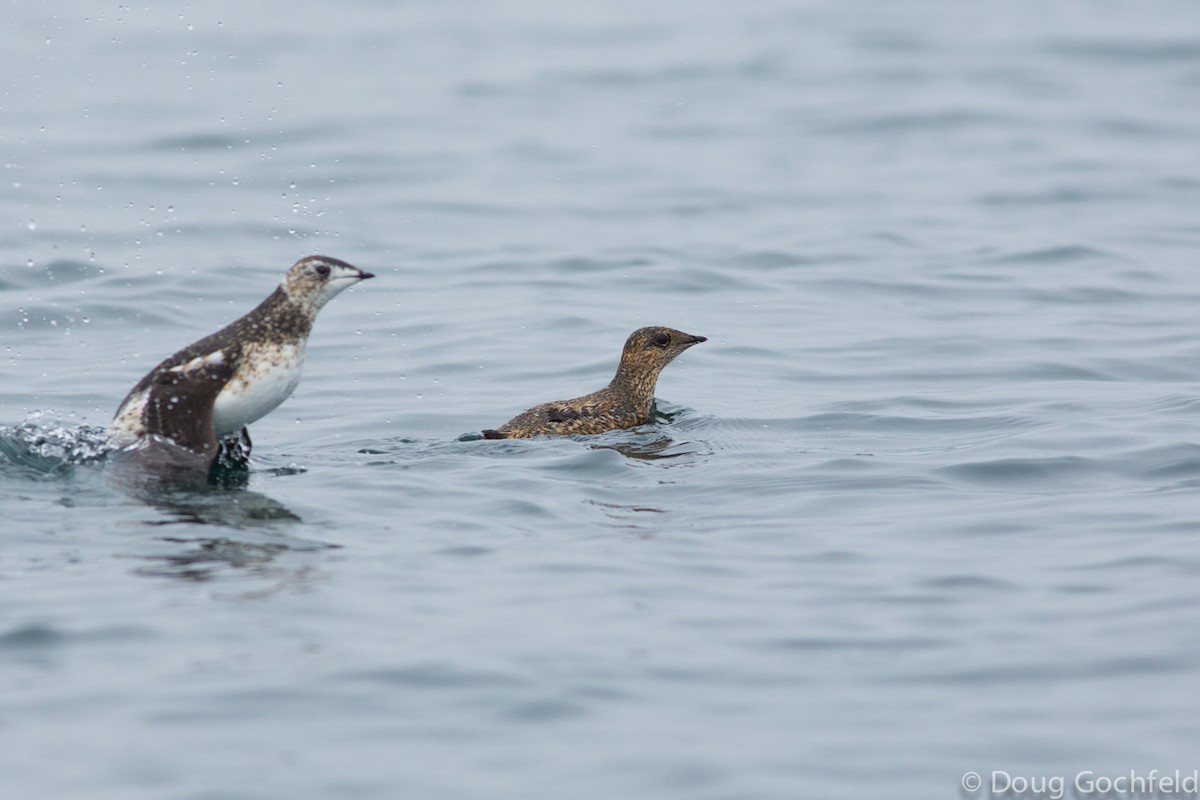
point(180, 402)
point(207, 347)
point(555, 413)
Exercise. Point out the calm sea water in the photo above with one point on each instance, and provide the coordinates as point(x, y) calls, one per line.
point(925, 503)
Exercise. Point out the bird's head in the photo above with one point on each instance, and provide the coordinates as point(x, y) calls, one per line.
point(315, 280)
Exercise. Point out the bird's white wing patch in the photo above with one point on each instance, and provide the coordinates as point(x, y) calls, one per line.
point(200, 362)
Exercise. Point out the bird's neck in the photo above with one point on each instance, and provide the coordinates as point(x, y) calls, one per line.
point(634, 386)
point(281, 312)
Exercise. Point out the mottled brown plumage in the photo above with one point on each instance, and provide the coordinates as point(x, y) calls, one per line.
point(273, 320)
point(624, 403)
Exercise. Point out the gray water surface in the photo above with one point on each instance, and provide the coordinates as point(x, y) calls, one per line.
point(924, 503)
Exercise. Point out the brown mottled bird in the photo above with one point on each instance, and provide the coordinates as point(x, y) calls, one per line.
point(624, 403)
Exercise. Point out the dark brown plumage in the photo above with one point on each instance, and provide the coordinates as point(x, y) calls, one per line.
point(624, 403)
point(178, 441)
point(179, 407)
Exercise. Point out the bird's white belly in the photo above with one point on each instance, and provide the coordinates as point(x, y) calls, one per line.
point(266, 377)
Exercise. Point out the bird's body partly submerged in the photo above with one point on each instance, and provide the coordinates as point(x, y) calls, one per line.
point(255, 363)
point(626, 402)
point(177, 417)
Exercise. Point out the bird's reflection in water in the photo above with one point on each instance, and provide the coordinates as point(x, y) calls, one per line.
point(217, 505)
point(653, 449)
point(630, 518)
point(260, 528)
point(211, 559)
point(650, 442)
point(215, 497)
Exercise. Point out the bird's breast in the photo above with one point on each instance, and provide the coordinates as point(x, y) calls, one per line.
point(266, 375)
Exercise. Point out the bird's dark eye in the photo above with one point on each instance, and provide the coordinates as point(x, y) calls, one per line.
point(322, 270)
point(662, 339)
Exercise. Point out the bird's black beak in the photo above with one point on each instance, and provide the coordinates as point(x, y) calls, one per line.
point(363, 275)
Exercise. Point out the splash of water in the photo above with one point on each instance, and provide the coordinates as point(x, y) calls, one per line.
point(44, 443)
